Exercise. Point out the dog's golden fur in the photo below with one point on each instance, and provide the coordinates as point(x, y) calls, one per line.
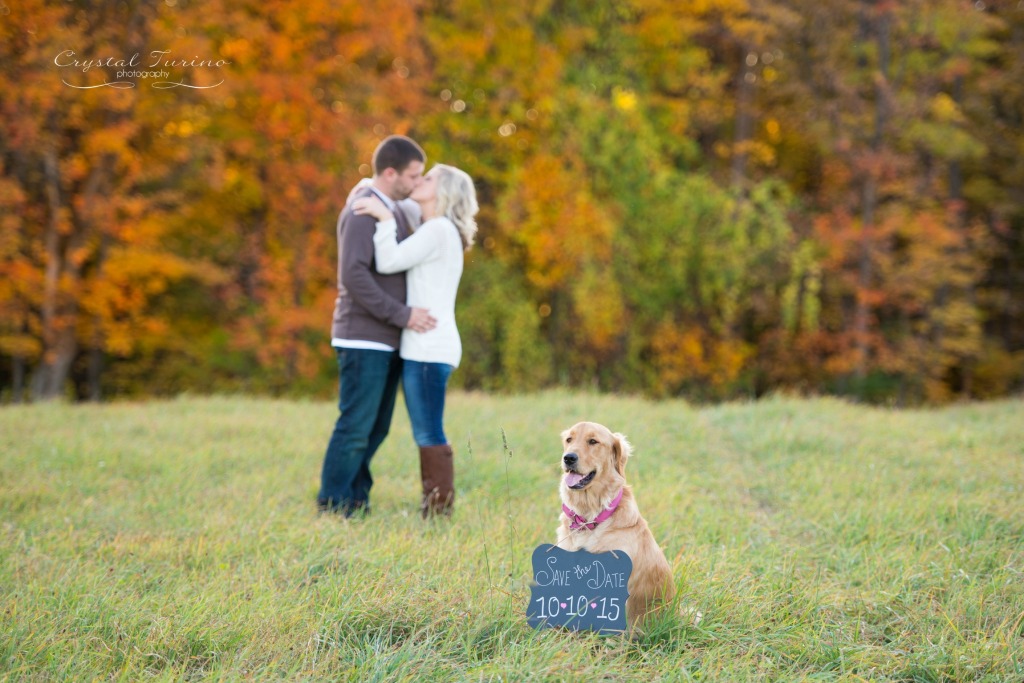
point(600, 451)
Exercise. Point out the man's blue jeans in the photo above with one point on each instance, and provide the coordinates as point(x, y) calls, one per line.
point(367, 386)
point(424, 385)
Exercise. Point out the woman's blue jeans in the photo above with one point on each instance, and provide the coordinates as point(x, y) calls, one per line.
point(367, 387)
point(424, 385)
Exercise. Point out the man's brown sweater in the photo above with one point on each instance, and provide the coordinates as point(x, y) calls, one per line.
point(370, 306)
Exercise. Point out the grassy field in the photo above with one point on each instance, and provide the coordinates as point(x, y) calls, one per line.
point(821, 541)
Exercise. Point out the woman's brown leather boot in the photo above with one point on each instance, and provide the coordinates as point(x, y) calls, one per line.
point(437, 471)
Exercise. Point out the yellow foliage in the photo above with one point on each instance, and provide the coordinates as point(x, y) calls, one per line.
point(599, 306)
point(996, 371)
point(687, 356)
point(624, 99)
point(22, 345)
point(558, 224)
point(758, 151)
point(107, 140)
point(944, 108)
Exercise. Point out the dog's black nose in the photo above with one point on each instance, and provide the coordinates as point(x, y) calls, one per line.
point(570, 459)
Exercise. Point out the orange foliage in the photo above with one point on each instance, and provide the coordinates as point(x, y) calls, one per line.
point(686, 357)
point(555, 221)
point(198, 223)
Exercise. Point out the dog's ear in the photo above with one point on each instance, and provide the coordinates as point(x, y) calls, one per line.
point(621, 449)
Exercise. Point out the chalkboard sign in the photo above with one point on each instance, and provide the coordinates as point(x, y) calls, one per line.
point(579, 590)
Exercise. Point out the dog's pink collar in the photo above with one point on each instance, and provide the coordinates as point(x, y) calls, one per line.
point(579, 522)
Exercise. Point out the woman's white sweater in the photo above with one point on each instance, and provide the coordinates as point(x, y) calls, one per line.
point(433, 259)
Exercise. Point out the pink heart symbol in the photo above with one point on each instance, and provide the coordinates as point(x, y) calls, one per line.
point(593, 605)
point(563, 604)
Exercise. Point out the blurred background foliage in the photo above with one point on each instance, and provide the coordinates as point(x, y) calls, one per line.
point(700, 198)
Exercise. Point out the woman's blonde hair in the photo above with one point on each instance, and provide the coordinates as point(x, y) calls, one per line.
point(456, 200)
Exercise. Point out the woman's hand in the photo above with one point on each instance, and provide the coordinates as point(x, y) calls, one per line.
point(372, 206)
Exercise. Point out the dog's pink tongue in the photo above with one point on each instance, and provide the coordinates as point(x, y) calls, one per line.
point(571, 479)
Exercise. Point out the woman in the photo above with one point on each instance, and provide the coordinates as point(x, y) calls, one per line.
point(433, 259)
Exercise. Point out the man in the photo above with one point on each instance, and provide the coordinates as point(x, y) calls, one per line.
point(369, 315)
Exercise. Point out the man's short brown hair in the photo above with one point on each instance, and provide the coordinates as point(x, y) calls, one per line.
point(397, 152)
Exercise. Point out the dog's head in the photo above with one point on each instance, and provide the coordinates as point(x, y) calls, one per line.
point(593, 458)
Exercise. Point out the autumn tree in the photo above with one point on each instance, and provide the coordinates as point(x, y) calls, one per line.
point(84, 251)
point(274, 150)
point(678, 197)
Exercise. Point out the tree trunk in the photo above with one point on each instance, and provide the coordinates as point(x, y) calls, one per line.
point(18, 379)
point(59, 346)
point(95, 372)
point(879, 29)
point(744, 117)
point(959, 209)
point(94, 369)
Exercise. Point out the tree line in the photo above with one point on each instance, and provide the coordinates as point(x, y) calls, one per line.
point(710, 199)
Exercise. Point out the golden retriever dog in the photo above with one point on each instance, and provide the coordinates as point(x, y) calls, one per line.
point(600, 514)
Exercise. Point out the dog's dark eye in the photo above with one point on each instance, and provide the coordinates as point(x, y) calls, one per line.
point(568, 440)
point(593, 442)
